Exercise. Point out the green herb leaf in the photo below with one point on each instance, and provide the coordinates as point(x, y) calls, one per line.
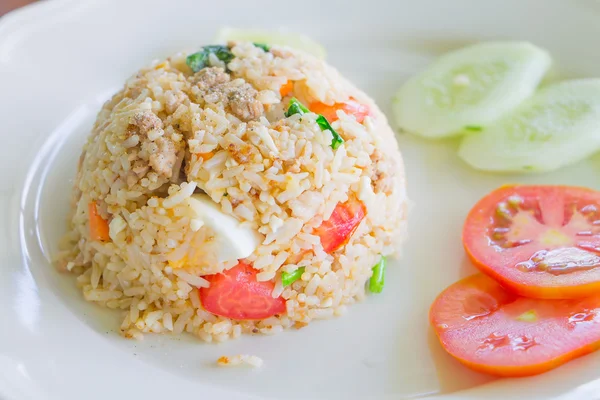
point(474, 128)
point(377, 280)
point(199, 60)
point(324, 125)
point(223, 53)
point(287, 278)
point(295, 107)
point(263, 46)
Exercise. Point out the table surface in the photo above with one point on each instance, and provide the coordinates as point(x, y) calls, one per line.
point(9, 5)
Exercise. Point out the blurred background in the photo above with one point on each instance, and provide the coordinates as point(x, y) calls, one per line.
point(9, 5)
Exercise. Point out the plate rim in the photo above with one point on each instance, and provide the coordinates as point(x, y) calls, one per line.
point(15, 20)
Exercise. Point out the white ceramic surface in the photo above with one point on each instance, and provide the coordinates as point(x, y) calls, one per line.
point(60, 59)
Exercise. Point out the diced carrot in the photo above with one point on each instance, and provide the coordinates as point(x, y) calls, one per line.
point(350, 107)
point(98, 225)
point(286, 88)
point(206, 156)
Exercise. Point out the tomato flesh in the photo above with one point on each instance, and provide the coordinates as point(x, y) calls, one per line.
point(492, 330)
point(236, 294)
point(337, 230)
point(539, 241)
point(350, 107)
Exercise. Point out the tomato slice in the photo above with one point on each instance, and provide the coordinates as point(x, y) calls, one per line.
point(492, 330)
point(539, 241)
point(236, 294)
point(337, 230)
point(350, 107)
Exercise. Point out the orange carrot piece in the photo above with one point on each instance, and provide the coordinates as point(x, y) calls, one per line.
point(205, 156)
point(350, 107)
point(286, 88)
point(98, 225)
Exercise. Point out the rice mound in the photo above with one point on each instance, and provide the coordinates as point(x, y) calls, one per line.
point(147, 153)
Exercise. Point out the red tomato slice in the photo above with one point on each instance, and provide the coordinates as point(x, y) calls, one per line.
point(236, 294)
point(337, 230)
point(350, 107)
point(492, 330)
point(540, 241)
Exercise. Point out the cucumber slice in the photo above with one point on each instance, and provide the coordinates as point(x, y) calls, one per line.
point(470, 87)
point(300, 42)
point(558, 126)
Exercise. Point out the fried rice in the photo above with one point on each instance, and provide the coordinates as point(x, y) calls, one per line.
point(172, 132)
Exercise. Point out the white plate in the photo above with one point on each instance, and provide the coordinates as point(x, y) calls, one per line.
point(59, 60)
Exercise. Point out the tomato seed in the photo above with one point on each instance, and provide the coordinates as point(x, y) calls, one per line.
point(589, 209)
point(581, 317)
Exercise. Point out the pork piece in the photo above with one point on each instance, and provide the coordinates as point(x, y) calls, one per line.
point(238, 96)
point(157, 151)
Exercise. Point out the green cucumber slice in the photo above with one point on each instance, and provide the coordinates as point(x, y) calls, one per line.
point(558, 126)
point(472, 86)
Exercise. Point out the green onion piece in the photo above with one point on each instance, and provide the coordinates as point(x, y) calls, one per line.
point(199, 60)
point(474, 128)
point(296, 107)
point(324, 125)
point(377, 280)
point(263, 46)
point(287, 278)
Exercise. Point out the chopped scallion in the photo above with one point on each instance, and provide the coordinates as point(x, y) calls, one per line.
point(377, 280)
point(295, 107)
point(263, 46)
point(474, 128)
point(324, 125)
point(287, 278)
